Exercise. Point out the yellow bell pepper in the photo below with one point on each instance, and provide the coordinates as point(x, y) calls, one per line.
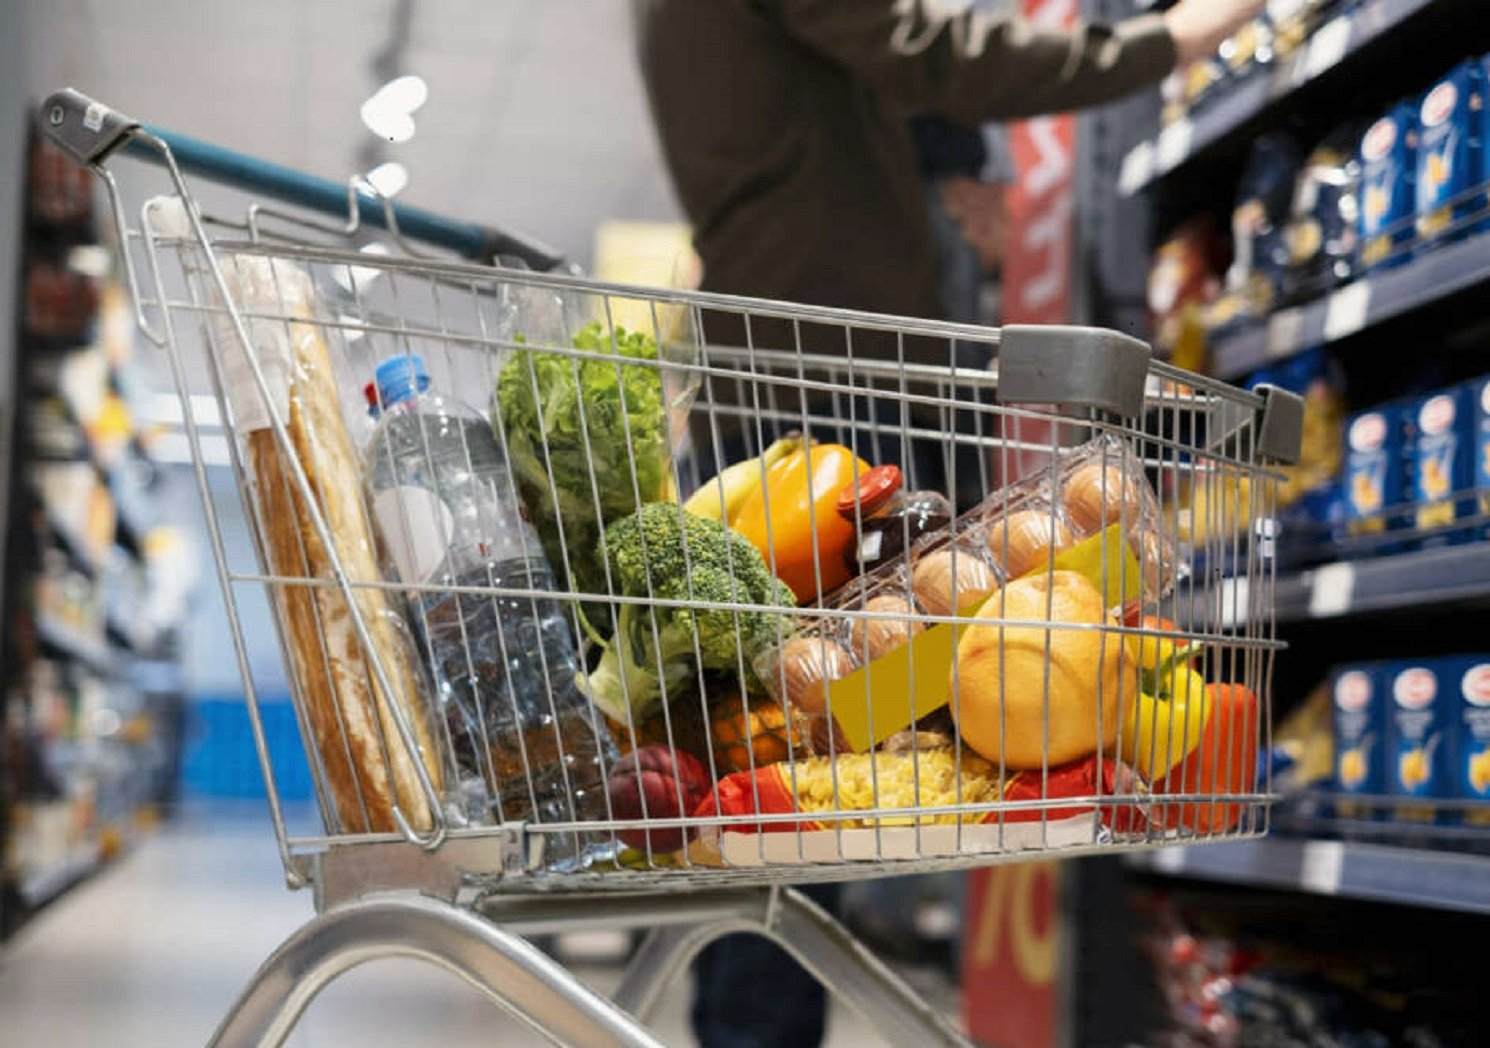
point(1160, 731)
point(1153, 651)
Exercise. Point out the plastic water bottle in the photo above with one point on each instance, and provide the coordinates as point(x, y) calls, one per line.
point(527, 745)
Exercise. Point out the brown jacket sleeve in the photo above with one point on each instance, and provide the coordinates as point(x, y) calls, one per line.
point(975, 66)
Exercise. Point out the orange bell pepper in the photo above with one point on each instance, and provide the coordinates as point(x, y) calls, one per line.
point(1225, 762)
point(801, 494)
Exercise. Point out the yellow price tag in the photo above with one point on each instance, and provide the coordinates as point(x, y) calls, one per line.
point(1124, 580)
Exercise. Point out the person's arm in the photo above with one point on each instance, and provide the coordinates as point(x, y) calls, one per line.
point(976, 66)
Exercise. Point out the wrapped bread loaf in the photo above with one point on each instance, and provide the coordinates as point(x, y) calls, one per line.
point(368, 768)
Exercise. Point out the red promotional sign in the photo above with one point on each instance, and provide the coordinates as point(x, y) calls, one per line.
point(1012, 950)
point(1011, 955)
point(1037, 257)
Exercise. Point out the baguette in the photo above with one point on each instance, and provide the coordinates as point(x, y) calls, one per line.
point(367, 767)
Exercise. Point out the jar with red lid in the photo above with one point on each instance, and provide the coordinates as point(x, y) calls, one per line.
point(888, 518)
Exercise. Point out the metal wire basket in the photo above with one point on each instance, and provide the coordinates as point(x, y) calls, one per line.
point(597, 588)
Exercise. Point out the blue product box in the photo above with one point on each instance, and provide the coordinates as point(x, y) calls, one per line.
point(1470, 678)
point(1478, 401)
point(1375, 471)
point(1358, 715)
point(1420, 737)
point(1451, 152)
point(1441, 464)
point(1388, 198)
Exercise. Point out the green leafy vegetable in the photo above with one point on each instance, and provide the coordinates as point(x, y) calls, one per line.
point(623, 436)
point(662, 552)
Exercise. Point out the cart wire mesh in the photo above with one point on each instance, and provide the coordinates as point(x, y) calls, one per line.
point(603, 587)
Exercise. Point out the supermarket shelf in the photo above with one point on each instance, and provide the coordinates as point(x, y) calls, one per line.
point(1415, 877)
point(1329, 51)
point(1428, 279)
point(73, 545)
point(1404, 580)
point(65, 640)
point(44, 886)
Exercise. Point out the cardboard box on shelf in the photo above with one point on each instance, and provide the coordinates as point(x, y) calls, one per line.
point(1420, 737)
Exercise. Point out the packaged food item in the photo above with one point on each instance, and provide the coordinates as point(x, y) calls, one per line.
point(1315, 377)
point(887, 519)
point(1198, 81)
point(1249, 48)
point(1114, 517)
point(798, 675)
point(1360, 700)
point(368, 767)
point(1469, 677)
point(1322, 235)
point(932, 778)
point(1303, 751)
point(1389, 151)
point(1026, 540)
point(1420, 737)
point(1478, 402)
point(1375, 474)
point(873, 638)
point(1292, 22)
point(1184, 280)
point(1260, 250)
point(1442, 464)
point(952, 579)
point(1451, 151)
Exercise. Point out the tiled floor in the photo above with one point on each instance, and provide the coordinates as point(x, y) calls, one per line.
point(153, 951)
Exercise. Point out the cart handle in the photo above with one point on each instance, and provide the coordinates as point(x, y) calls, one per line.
point(90, 131)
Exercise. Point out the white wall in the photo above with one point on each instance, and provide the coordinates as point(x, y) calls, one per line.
point(536, 117)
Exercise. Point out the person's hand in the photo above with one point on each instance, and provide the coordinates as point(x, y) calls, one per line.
point(981, 212)
point(1199, 26)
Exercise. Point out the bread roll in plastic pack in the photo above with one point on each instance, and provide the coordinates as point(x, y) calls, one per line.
point(1096, 489)
point(797, 673)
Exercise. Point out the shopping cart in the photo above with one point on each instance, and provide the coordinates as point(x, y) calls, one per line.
point(1049, 633)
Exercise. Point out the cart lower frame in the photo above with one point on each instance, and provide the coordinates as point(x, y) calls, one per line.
point(489, 953)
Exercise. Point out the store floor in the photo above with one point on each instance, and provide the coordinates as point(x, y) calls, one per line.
point(152, 952)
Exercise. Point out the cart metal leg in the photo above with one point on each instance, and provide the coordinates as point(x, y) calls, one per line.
point(508, 969)
point(818, 942)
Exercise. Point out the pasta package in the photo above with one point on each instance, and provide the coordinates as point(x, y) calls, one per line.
point(368, 769)
point(880, 781)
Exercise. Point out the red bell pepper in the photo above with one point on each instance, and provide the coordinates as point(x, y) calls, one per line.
point(1225, 762)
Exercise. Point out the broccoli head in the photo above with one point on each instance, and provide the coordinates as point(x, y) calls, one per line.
point(664, 553)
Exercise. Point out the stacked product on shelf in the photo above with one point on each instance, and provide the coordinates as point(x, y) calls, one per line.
point(1233, 978)
point(1415, 475)
point(1369, 196)
point(1390, 750)
point(89, 745)
point(1274, 37)
point(1320, 225)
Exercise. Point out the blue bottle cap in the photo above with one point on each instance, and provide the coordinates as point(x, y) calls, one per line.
point(401, 377)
